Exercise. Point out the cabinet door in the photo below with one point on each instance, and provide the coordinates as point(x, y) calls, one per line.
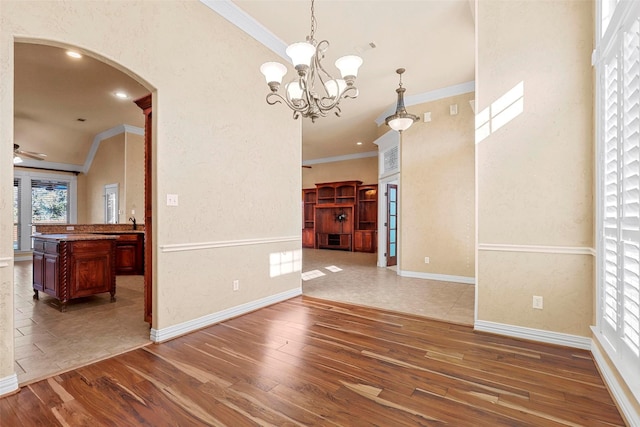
point(307, 238)
point(50, 284)
point(38, 271)
point(126, 258)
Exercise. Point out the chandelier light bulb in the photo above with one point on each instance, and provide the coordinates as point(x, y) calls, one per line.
point(294, 90)
point(399, 124)
point(273, 72)
point(348, 66)
point(301, 54)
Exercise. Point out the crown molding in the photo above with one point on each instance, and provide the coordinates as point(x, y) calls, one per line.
point(117, 130)
point(340, 158)
point(238, 17)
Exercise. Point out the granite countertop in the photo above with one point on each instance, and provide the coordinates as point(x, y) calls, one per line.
point(119, 232)
point(74, 237)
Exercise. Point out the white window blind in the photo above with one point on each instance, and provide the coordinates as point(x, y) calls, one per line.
point(16, 214)
point(618, 69)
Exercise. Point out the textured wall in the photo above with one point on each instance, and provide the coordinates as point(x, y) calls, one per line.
point(107, 168)
point(365, 170)
point(535, 173)
point(134, 178)
point(234, 181)
point(437, 191)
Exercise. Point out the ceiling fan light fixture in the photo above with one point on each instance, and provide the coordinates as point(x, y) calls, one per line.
point(313, 92)
point(17, 160)
point(401, 120)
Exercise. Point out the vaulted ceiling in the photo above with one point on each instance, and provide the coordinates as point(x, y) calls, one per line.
point(62, 104)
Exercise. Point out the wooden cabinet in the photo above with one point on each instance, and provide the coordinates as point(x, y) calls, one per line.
point(342, 192)
point(340, 241)
point(365, 236)
point(343, 214)
point(130, 254)
point(308, 217)
point(69, 267)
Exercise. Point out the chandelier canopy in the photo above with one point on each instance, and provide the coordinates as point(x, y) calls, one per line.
point(401, 120)
point(314, 92)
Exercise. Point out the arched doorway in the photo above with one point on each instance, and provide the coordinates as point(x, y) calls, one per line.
point(82, 107)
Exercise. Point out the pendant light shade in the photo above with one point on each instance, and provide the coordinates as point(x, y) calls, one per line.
point(401, 120)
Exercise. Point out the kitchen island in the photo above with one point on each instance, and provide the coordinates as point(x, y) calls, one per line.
point(69, 266)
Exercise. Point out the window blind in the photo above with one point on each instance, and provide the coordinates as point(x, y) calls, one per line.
point(16, 214)
point(618, 69)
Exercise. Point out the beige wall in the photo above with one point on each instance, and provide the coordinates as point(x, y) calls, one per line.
point(118, 160)
point(134, 178)
point(437, 192)
point(535, 174)
point(365, 170)
point(234, 182)
point(107, 168)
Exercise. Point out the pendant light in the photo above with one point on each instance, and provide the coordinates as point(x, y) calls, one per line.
point(401, 120)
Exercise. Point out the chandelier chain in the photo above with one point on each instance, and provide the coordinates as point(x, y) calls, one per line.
point(313, 21)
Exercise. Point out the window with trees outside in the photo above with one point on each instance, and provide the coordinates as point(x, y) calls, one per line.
point(617, 62)
point(40, 198)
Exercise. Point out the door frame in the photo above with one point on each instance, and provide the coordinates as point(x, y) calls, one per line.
point(382, 218)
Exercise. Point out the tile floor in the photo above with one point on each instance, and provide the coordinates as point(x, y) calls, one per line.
point(49, 342)
point(361, 282)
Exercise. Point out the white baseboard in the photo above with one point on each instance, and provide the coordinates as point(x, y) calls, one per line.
point(8, 384)
point(626, 406)
point(164, 334)
point(439, 277)
point(539, 335)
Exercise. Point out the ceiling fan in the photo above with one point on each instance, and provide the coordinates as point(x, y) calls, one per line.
point(18, 154)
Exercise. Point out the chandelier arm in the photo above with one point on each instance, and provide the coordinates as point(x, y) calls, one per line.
point(335, 102)
point(281, 99)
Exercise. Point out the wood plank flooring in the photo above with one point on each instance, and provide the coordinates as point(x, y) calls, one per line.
point(309, 362)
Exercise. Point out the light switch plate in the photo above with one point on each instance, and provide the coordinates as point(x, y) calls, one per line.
point(172, 200)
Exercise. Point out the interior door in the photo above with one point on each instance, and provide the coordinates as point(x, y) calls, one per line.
point(392, 224)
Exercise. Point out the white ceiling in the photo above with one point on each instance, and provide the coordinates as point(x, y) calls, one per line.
point(432, 39)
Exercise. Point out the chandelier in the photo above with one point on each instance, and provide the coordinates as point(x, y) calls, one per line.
point(401, 120)
point(314, 92)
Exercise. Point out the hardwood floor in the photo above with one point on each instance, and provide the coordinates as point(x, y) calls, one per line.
point(312, 362)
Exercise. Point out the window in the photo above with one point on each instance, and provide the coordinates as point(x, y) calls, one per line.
point(41, 198)
point(16, 214)
point(618, 123)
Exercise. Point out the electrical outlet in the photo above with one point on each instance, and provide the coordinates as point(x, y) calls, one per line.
point(427, 260)
point(537, 302)
point(236, 285)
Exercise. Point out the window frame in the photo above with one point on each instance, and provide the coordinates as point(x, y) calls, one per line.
point(609, 44)
point(25, 177)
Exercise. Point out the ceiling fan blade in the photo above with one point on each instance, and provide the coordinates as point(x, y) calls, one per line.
point(36, 156)
point(306, 166)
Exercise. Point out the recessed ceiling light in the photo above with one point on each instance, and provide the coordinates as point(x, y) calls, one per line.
point(121, 95)
point(359, 143)
point(73, 54)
